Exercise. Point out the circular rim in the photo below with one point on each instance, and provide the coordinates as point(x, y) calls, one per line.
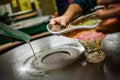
point(70, 29)
point(51, 54)
point(74, 55)
point(43, 68)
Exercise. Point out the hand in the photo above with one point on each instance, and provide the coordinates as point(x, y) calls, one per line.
point(110, 16)
point(59, 21)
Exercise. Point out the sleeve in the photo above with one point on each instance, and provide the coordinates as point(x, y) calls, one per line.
point(85, 4)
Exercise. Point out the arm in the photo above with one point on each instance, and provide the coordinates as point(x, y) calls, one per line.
point(76, 8)
point(72, 11)
point(79, 7)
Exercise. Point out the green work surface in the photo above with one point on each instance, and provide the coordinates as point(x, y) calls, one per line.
point(31, 31)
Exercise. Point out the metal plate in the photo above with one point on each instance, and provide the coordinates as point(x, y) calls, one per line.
point(12, 63)
point(52, 59)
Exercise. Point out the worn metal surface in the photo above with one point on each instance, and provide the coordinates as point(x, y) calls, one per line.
point(12, 64)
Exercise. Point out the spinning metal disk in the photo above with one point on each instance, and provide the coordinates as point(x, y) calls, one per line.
point(56, 58)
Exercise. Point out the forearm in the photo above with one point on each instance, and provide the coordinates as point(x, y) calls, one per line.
point(72, 11)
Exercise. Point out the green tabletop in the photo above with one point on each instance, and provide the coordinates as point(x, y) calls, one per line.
point(31, 31)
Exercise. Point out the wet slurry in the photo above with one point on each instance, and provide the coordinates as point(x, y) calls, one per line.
point(32, 50)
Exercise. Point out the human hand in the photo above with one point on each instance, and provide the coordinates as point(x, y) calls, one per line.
point(58, 22)
point(110, 16)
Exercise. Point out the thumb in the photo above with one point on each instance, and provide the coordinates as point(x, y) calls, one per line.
point(53, 21)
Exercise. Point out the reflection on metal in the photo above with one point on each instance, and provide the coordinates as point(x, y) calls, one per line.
point(56, 52)
point(15, 59)
point(52, 59)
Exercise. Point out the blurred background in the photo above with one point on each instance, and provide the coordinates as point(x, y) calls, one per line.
point(30, 16)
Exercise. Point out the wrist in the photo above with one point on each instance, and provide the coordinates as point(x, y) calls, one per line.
point(67, 18)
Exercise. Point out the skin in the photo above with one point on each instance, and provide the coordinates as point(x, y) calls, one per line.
point(110, 16)
point(72, 11)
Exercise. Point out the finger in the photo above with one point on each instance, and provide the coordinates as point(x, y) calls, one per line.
point(107, 30)
point(109, 26)
point(55, 28)
point(105, 2)
point(108, 13)
point(52, 21)
point(113, 5)
point(115, 1)
point(105, 25)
